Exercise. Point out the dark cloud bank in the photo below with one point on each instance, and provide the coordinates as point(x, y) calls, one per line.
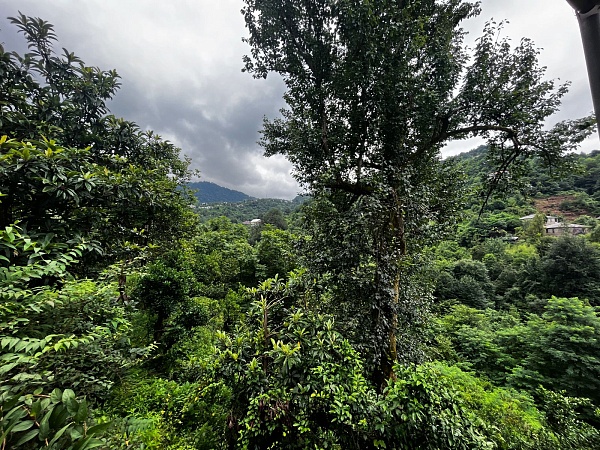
point(180, 65)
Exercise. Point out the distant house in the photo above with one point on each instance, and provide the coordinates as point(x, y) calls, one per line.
point(554, 227)
point(558, 229)
point(253, 222)
point(549, 219)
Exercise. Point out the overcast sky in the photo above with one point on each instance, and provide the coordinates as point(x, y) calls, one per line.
point(180, 63)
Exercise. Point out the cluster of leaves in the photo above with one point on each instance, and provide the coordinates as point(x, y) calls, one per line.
point(297, 383)
point(293, 386)
point(54, 421)
point(69, 167)
point(555, 349)
point(53, 339)
point(79, 191)
point(171, 414)
point(56, 190)
point(57, 95)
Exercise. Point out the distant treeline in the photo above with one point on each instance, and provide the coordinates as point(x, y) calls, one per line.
point(247, 210)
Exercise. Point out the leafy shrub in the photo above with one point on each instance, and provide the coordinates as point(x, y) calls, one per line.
point(56, 333)
point(75, 337)
point(298, 384)
point(191, 414)
point(556, 349)
point(55, 421)
point(295, 383)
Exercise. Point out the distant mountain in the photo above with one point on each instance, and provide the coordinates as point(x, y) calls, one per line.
point(207, 192)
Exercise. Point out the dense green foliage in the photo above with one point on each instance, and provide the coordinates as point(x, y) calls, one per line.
point(247, 210)
point(374, 90)
point(361, 318)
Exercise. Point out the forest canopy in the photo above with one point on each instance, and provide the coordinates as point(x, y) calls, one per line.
point(409, 302)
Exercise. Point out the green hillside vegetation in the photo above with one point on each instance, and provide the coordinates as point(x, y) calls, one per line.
point(393, 309)
point(569, 192)
point(245, 210)
point(577, 182)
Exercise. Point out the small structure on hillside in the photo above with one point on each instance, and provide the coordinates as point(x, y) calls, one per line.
point(559, 229)
point(554, 227)
point(253, 222)
point(549, 219)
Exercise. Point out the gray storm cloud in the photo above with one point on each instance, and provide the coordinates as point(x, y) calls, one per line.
point(180, 64)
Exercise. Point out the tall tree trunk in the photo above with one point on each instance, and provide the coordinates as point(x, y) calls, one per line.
point(396, 237)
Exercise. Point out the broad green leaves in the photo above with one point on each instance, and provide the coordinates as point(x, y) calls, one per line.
point(120, 180)
point(297, 383)
point(54, 421)
point(79, 190)
point(74, 336)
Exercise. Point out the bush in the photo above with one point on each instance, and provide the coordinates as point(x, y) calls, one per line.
point(298, 384)
point(186, 414)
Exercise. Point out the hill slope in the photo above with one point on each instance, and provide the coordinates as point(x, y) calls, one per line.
point(213, 193)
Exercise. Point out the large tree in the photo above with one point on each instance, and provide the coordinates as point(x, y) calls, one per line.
point(68, 167)
point(60, 97)
point(374, 92)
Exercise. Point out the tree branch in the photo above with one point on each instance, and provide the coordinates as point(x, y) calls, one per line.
point(475, 128)
point(353, 188)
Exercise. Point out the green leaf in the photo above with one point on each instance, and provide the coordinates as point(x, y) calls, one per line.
point(58, 434)
point(76, 433)
point(12, 401)
point(67, 395)
point(98, 429)
point(25, 425)
point(45, 425)
point(89, 443)
point(36, 408)
point(27, 437)
point(82, 412)
point(56, 395)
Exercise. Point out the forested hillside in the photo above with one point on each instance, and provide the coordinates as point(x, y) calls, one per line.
point(403, 304)
point(207, 192)
point(576, 182)
point(246, 210)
